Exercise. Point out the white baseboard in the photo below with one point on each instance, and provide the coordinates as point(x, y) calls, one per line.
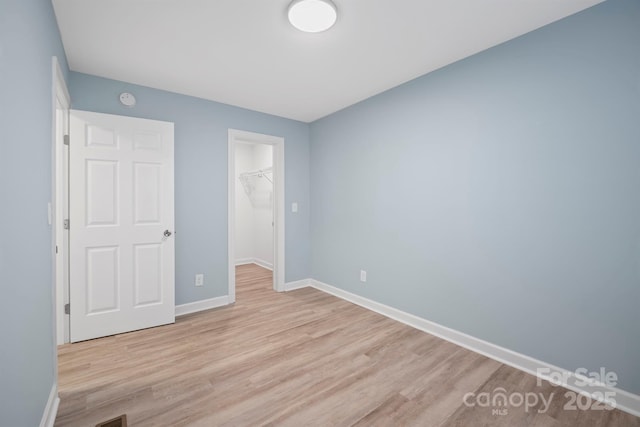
point(298, 284)
point(51, 409)
point(194, 307)
point(624, 400)
point(257, 261)
point(263, 263)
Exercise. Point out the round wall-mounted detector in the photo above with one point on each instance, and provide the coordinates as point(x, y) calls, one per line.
point(127, 99)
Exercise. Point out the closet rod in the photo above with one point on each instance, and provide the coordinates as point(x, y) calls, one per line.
point(258, 172)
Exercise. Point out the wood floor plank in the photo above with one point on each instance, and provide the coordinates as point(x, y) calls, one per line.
point(299, 358)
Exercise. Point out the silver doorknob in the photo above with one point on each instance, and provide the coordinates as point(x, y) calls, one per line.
point(167, 233)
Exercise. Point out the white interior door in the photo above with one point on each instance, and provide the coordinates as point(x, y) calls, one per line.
point(121, 203)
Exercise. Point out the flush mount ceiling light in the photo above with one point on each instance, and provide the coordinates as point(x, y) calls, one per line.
point(312, 16)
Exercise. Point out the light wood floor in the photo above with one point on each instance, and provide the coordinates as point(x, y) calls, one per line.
point(294, 359)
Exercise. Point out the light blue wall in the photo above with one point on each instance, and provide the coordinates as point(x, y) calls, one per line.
point(201, 176)
point(499, 196)
point(28, 39)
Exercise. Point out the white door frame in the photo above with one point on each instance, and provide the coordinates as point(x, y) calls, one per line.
point(239, 136)
point(60, 100)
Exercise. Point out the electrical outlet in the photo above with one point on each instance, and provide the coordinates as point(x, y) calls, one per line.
point(363, 276)
point(200, 279)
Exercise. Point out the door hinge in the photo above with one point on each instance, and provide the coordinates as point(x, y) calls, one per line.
point(66, 224)
point(65, 139)
point(67, 308)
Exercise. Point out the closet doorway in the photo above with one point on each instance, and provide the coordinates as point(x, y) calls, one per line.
point(256, 205)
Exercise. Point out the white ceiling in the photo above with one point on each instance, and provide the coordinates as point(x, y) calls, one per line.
point(245, 53)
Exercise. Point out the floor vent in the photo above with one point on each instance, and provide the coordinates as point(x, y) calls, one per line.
point(120, 421)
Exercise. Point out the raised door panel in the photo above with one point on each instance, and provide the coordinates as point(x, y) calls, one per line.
point(102, 192)
point(147, 267)
point(98, 136)
point(147, 193)
point(103, 279)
